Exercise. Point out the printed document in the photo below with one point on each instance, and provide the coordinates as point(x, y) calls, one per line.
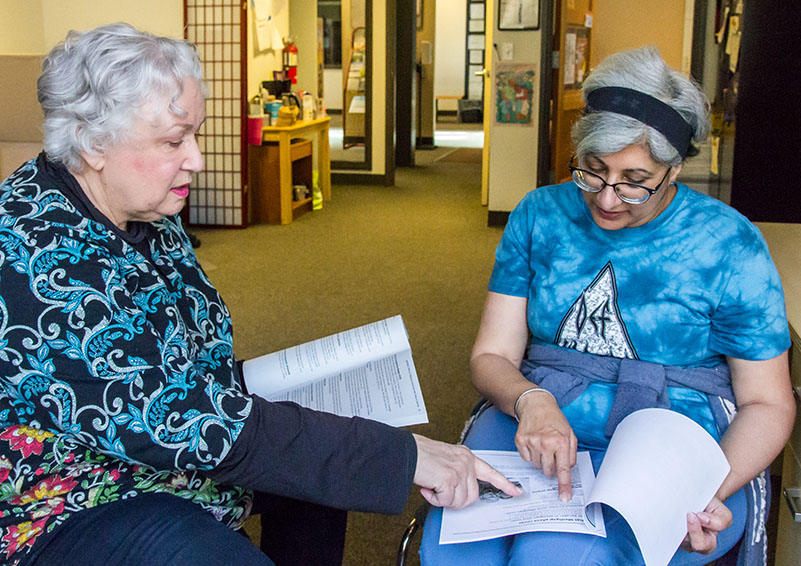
point(659, 466)
point(366, 371)
point(496, 514)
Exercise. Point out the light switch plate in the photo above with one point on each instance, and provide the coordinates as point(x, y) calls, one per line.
point(507, 51)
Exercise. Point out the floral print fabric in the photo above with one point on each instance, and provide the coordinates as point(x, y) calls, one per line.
point(116, 370)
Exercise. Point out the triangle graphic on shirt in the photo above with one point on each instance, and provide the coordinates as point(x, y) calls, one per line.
point(593, 324)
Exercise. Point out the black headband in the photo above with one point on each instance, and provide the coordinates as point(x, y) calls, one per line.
point(645, 108)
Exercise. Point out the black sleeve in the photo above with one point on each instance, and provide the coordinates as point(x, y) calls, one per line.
point(346, 463)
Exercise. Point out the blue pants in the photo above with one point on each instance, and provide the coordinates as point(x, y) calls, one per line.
point(495, 431)
point(159, 529)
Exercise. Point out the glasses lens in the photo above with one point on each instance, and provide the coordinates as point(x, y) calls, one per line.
point(588, 181)
point(632, 193)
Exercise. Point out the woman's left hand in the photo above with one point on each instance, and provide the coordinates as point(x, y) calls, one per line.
point(703, 528)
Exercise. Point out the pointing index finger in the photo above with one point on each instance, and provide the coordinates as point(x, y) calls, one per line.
point(489, 474)
point(563, 468)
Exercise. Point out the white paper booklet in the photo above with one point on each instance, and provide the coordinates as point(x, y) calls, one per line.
point(366, 371)
point(659, 466)
point(495, 514)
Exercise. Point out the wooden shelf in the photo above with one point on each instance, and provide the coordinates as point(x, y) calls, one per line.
point(284, 159)
point(300, 203)
point(265, 196)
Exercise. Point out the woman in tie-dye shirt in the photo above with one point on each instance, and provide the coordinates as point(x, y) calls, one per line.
point(671, 292)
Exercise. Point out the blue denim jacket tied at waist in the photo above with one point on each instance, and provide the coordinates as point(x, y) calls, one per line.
point(640, 385)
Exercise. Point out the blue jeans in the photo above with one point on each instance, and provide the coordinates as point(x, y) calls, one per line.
point(495, 431)
point(155, 529)
point(159, 529)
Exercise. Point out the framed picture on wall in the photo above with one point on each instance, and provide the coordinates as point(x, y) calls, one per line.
point(513, 94)
point(518, 15)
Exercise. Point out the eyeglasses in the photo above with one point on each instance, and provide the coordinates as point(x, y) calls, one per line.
point(627, 192)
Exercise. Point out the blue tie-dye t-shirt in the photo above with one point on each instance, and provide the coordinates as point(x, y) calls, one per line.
point(691, 286)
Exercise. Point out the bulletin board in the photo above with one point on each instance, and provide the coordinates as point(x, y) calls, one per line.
point(576, 58)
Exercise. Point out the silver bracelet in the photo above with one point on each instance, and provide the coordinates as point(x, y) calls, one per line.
point(526, 392)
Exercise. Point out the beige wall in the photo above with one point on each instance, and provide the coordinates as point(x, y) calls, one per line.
point(22, 115)
point(303, 27)
point(162, 17)
point(30, 28)
point(450, 51)
point(262, 63)
point(35, 26)
point(513, 149)
point(623, 24)
point(21, 27)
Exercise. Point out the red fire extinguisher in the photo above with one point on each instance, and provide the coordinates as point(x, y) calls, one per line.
point(290, 57)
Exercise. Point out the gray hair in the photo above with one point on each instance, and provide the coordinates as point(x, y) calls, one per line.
point(601, 132)
point(95, 83)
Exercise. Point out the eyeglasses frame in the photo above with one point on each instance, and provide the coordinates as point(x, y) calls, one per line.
point(649, 190)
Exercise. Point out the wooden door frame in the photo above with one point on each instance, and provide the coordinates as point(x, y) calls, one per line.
point(405, 85)
point(489, 63)
point(544, 174)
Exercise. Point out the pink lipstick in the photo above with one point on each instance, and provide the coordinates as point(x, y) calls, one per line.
point(182, 191)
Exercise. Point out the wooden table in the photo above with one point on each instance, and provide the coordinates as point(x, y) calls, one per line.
point(439, 97)
point(284, 136)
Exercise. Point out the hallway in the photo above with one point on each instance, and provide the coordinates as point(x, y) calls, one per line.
point(448, 133)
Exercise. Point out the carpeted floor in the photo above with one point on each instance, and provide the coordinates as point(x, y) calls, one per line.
point(421, 249)
point(463, 155)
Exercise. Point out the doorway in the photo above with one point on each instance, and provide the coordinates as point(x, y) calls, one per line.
point(347, 74)
point(458, 91)
point(451, 51)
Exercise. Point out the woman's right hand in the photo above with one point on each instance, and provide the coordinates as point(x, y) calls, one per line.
point(545, 439)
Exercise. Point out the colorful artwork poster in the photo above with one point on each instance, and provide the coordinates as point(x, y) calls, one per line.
point(514, 93)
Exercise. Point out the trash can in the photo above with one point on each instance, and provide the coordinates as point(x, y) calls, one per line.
point(470, 111)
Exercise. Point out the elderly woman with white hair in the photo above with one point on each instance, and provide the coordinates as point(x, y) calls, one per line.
point(624, 289)
point(127, 435)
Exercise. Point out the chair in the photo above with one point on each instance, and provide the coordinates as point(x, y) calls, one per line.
point(408, 535)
